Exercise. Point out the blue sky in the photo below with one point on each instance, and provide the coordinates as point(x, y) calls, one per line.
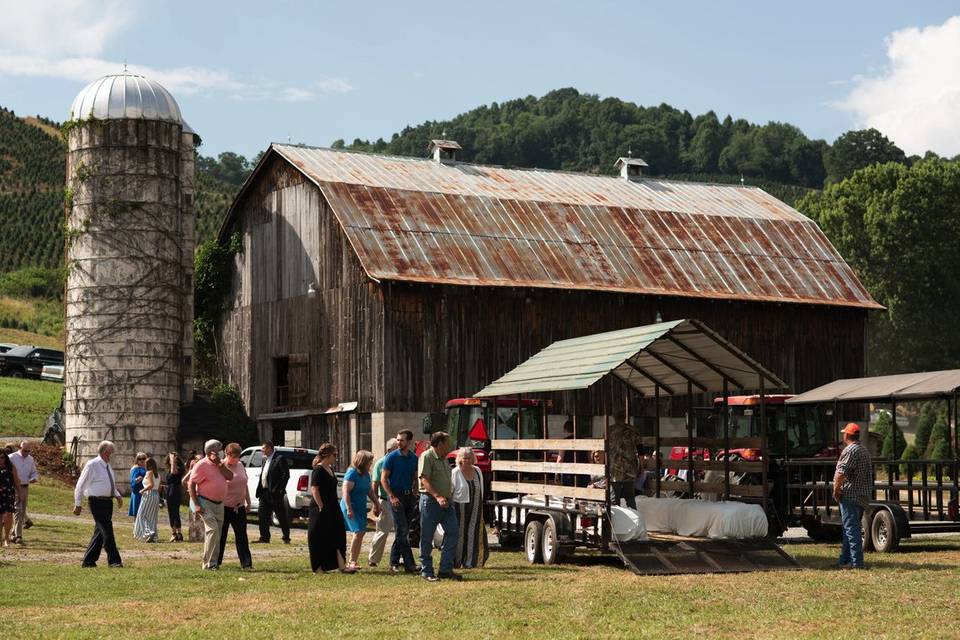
point(249, 73)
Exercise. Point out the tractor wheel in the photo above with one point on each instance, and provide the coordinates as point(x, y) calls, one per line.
point(819, 532)
point(509, 540)
point(531, 542)
point(884, 533)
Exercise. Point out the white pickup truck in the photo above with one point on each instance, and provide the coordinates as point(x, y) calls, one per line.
point(297, 494)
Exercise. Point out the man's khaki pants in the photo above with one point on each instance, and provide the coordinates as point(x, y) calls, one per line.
point(20, 515)
point(384, 527)
point(212, 517)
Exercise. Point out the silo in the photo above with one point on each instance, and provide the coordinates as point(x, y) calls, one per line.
point(129, 259)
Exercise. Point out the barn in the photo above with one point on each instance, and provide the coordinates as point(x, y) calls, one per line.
point(370, 289)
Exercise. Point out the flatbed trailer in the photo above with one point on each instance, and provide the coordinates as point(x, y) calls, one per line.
point(551, 519)
point(909, 496)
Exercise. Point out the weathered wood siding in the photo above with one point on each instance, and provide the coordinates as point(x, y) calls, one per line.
point(291, 239)
point(448, 342)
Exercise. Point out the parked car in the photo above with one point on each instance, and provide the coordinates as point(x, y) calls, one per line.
point(27, 361)
point(300, 462)
point(6, 346)
point(52, 372)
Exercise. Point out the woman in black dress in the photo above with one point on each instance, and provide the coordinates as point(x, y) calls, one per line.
point(327, 532)
point(10, 493)
point(173, 494)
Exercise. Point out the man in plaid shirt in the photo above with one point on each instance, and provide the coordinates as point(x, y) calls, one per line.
point(852, 489)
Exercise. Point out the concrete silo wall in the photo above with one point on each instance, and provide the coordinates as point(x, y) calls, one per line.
point(127, 286)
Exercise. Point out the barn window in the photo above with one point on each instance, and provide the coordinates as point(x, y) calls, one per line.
point(281, 374)
point(298, 374)
point(364, 432)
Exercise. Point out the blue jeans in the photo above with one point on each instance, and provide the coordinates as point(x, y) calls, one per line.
point(432, 514)
point(401, 551)
point(851, 549)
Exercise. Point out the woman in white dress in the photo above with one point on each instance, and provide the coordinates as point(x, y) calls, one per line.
point(145, 527)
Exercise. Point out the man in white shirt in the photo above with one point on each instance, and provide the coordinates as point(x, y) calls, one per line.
point(98, 484)
point(26, 468)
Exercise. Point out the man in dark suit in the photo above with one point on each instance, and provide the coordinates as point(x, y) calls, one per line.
point(271, 492)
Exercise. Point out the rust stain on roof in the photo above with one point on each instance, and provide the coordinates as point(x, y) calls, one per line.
point(418, 220)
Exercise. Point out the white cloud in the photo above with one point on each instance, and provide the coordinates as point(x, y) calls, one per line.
point(52, 27)
point(334, 85)
point(915, 101)
point(65, 39)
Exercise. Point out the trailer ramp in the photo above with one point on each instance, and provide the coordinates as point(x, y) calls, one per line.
point(666, 555)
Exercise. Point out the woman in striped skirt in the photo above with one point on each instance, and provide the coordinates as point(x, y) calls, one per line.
point(472, 549)
point(145, 527)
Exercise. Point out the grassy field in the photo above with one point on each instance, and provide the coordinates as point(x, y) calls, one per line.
point(25, 405)
point(163, 593)
point(18, 336)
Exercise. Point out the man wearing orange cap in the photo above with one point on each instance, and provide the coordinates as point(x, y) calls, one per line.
point(852, 489)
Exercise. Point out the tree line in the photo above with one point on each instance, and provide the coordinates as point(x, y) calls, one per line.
point(569, 130)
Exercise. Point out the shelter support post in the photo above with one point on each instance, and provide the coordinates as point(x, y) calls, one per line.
point(764, 454)
point(656, 434)
point(726, 441)
point(891, 463)
point(691, 480)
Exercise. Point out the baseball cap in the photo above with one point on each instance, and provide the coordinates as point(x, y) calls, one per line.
point(852, 429)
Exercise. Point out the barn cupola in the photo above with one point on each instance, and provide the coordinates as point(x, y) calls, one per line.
point(630, 168)
point(445, 151)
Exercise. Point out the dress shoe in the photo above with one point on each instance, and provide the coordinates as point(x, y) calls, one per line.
point(450, 575)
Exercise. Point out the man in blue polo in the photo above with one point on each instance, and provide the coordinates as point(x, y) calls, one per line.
point(397, 478)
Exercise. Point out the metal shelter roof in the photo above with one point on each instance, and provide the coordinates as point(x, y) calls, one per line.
point(905, 386)
point(417, 220)
point(665, 354)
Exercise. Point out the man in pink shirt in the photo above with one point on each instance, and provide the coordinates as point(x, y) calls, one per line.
point(208, 488)
point(235, 506)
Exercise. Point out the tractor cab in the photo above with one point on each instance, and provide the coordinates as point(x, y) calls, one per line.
point(795, 431)
point(470, 423)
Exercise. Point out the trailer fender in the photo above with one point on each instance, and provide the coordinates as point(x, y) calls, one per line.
point(900, 519)
point(562, 522)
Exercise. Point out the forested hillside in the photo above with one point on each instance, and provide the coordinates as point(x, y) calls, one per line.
point(32, 165)
point(566, 129)
point(31, 195)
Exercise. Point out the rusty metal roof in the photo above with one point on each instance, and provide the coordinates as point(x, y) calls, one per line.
point(415, 219)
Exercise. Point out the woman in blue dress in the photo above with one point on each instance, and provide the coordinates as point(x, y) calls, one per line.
point(137, 471)
point(357, 487)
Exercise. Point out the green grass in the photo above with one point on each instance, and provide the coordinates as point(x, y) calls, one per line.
point(25, 405)
point(32, 315)
point(18, 336)
point(164, 594)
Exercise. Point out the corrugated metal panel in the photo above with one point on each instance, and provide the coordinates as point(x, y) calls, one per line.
point(668, 353)
point(420, 220)
point(905, 386)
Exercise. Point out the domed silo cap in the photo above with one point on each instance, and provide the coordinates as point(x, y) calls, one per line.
point(125, 96)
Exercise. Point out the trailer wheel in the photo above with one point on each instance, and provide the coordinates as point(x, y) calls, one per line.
point(531, 542)
point(553, 553)
point(884, 532)
point(866, 530)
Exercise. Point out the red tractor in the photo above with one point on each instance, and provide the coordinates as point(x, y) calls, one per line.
point(797, 432)
point(469, 421)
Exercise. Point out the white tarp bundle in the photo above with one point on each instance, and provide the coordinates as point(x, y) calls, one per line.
point(627, 525)
point(700, 519)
